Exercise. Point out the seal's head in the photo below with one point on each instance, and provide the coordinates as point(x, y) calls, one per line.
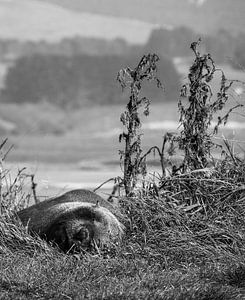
point(71, 235)
point(83, 227)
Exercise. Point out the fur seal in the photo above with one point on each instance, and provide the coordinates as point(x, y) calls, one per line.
point(75, 220)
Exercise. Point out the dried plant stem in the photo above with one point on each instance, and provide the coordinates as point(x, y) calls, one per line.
point(133, 164)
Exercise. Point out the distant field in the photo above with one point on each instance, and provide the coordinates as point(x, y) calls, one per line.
point(89, 133)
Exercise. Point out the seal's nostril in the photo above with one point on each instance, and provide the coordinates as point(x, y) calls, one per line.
point(83, 234)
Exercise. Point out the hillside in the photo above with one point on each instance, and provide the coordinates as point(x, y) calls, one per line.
point(37, 20)
point(211, 16)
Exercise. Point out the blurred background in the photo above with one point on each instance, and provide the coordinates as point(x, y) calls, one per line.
point(60, 103)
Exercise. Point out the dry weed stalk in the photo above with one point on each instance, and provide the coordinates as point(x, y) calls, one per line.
point(133, 162)
point(196, 137)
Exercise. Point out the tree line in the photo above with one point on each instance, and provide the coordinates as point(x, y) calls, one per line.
point(80, 79)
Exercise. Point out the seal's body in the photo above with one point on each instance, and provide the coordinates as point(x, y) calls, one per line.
point(74, 220)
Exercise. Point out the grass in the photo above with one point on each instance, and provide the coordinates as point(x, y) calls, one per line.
point(116, 279)
point(185, 240)
point(61, 277)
